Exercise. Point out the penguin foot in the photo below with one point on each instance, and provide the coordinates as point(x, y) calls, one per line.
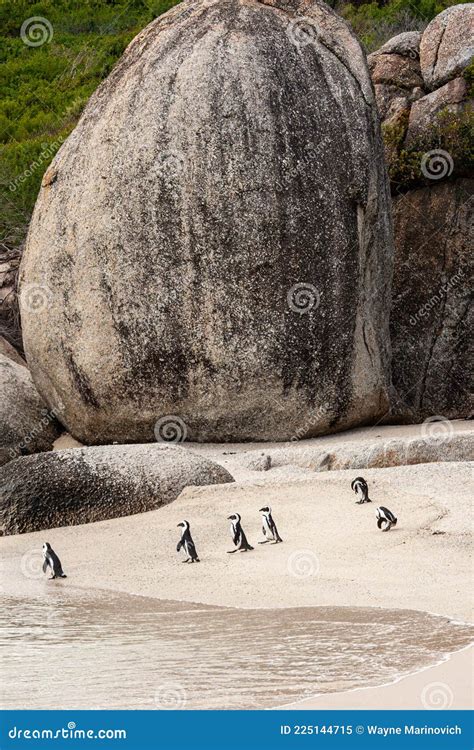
point(231, 551)
point(186, 561)
point(265, 542)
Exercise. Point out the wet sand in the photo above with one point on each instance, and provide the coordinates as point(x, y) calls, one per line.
point(115, 651)
point(332, 555)
point(448, 685)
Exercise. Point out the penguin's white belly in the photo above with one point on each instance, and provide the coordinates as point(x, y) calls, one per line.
point(267, 527)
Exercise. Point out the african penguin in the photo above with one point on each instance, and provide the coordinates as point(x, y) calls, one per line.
point(186, 542)
point(360, 487)
point(51, 560)
point(270, 531)
point(385, 517)
point(237, 534)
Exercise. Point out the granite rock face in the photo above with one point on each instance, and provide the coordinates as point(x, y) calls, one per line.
point(447, 45)
point(26, 424)
point(428, 159)
point(431, 322)
point(215, 236)
point(82, 485)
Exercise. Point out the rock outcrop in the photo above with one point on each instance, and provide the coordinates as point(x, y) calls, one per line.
point(447, 45)
point(431, 323)
point(26, 424)
point(427, 447)
point(427, 146)
point(213, 241)
point(82, 485)
point(7, 350)
point(9, 312)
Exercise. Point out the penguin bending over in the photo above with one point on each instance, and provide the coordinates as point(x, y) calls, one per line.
point(385, 517)
point(51, 560)
point(360, 487)
point(187, 543)
point(270, 531)
point(238, 535)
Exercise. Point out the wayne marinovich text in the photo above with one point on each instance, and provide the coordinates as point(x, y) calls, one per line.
point(385, 731)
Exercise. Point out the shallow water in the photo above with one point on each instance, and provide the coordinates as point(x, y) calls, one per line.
point(107, 650)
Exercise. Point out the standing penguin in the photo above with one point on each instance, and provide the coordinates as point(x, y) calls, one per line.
point(51, 560)
point(270, 531)
point(187, 543)
point(385, 517)
point(360, 487)
point(237, 534)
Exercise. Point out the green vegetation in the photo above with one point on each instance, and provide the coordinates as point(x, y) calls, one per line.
point(375, 23)
point(469, 78)
point(46, 87)
point(451, 132)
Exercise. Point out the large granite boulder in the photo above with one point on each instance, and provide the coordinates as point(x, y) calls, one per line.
point(82, 485)
point(431, 321)
point(213, 241)
point(447, 45)
point(26, 424)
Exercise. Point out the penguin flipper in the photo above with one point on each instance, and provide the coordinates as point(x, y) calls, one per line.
point(45, 566)
point(380, 522)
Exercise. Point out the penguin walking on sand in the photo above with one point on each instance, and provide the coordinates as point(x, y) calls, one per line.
point(186, 542)
point(385, 518)
point(360, 487)
point(51, 560)
point(270, 531)
point(238, 535)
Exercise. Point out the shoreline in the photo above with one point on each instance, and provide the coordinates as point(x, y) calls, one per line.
point(393, 695)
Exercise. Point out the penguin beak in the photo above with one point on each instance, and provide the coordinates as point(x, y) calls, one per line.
point(229, 518)
point(180, 524)
point(260, 510)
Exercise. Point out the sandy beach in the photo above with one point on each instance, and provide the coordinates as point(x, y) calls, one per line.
point(333, 555)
